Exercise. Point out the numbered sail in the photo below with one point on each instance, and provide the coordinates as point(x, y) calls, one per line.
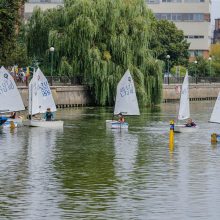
point(40, 95)
point(10, 98)
point(126, 99)
point(184, 111)
point(215, 117)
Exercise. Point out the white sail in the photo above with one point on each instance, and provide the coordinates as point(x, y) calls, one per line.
point(126, 100)
point(184, 111)
point(10, 97)
point(215, 117)
point(40, 95)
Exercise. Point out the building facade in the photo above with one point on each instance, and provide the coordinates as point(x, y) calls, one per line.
point(43, 4)
point(216, 37)
point(191, 16)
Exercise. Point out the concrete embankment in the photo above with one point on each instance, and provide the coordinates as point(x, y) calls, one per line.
point(64, 96)
point(197, 92)
point(70, 96)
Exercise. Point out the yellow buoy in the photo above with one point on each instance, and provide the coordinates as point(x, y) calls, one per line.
point(213, 138)
point(171, 140)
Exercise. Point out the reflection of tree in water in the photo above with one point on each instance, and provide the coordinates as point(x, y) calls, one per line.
point(86, 170)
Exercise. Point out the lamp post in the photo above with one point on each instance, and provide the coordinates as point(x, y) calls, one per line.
point(210, 59)
point(168, 68)
point(195, 70)
point(51, 71)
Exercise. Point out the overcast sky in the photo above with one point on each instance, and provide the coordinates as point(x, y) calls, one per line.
point(215, 10)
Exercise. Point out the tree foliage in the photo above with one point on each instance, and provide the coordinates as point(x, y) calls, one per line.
point(215, 54)
point(9, 25)
point(99, 40)
point(200, 69)
point(169, 40)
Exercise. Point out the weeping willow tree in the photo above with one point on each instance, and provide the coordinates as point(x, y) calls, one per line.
point(99, 40)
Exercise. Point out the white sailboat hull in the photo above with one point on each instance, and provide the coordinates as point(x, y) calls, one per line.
point(184, 129)
point(43, 123)
point(113, 124)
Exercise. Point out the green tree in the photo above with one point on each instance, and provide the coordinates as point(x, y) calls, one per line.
point(98, 40)
point(201, 68)
point(169, 40)
point(9, 26)
point(215, 62)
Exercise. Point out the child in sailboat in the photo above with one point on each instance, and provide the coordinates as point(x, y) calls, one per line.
point(48, 115)
point(121, 118)
point(190, 123)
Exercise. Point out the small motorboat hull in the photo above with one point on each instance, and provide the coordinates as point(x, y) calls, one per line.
point(43, 123)
point(116, 125)
point(185, 129)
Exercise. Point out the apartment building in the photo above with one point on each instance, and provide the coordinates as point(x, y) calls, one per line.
point(192, 16)
point(43, 4)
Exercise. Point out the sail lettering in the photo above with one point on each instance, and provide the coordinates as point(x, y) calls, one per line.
point(45, 90)
point(126, 90)
point(6, 86)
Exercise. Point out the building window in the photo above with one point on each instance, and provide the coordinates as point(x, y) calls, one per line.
point(194, 37)
point(45, 1)
point(195, 53)
point(152, 1)
point(181, 16)
point(194, 1)
point(174, 1)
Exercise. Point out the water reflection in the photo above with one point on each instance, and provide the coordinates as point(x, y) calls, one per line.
point(88, 172)
point(126, 146)
point(41, 182)
point(27, 176)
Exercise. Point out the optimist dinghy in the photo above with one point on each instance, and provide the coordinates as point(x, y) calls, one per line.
point(40, 99)
point(215, 118)
point(184, 109)
point(126, 101)
point(10, 99)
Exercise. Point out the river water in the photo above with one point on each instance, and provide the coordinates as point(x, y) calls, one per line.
point(85, 171)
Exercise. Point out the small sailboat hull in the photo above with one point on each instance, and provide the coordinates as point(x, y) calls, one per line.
point(43, 123)
point(185, 129)
point(112, 124)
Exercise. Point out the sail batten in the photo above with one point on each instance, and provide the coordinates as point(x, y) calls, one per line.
point(126, 99)
point(10, 97)
point(184, 110)
point(215, 117)
point(40, 95)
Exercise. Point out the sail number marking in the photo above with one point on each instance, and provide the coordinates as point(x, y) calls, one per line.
point(45, 90)
point(6, 86)
point(126, 90)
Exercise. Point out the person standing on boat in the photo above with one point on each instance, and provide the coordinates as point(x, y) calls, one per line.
point(190, 123)
point(48, 115)
point(121, 118)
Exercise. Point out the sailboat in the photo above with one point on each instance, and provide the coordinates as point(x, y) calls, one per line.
point(184, 108)
point(10, 99)
point(126, 101)
point(40, 99)
point(215, 116)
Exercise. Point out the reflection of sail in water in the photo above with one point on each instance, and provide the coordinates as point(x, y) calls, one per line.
point(126, 145)
point(41, 182)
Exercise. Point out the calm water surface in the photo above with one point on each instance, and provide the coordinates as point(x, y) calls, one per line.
point(87, 172)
